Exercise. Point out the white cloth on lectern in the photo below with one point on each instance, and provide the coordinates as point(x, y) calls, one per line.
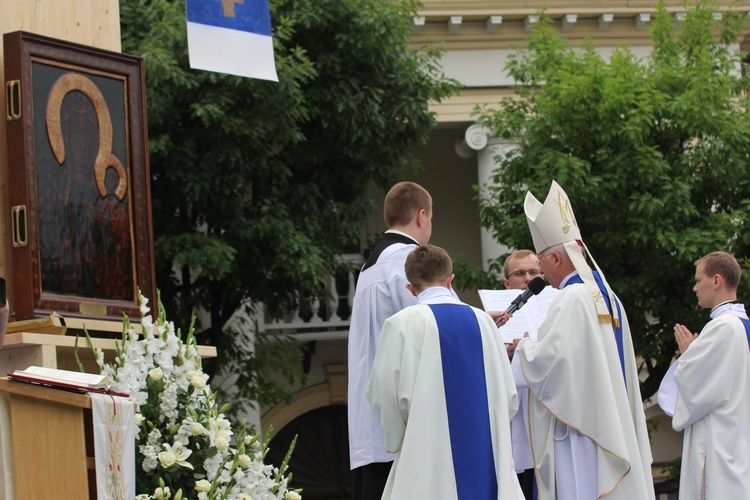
point(114, 446)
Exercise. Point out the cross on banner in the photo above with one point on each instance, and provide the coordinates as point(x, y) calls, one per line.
point(228, 6)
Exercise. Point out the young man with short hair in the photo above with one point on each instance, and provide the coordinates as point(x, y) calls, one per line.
point(519, 268)
point(380, 293)
point(442, 388)
point(710, 387)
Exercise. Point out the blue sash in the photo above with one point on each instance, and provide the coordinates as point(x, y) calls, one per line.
point(618, 329)
point(466, 401)
point(746, 324)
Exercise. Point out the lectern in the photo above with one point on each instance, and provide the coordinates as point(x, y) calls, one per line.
point(53, 447)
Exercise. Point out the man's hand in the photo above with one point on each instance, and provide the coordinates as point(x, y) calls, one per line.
point(511, 348)
point(684, 337)
point(500, 317)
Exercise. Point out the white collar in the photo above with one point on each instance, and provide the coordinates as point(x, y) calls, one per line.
point(437, 295)
point(394, 231)
point(732, 306)
point(566, 279)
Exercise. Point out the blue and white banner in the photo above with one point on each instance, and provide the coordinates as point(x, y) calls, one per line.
point(231, 36)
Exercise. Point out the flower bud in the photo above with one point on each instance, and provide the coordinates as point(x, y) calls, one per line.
point(244, 461)
point(221, 444)
point(156, 374)
point(167, 458)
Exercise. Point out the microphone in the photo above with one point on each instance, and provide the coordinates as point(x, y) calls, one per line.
point(533, 288)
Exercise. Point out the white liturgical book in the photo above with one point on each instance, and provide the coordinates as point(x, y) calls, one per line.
point(65, 379)
point(527, 319)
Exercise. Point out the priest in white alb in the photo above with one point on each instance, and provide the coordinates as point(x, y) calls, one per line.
point(443, 391)
point(586, 420)
point(707, 390)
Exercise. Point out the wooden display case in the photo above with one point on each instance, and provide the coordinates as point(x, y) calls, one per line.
point(79, 189)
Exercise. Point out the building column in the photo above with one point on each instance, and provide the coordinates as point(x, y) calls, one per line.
point(478, 140)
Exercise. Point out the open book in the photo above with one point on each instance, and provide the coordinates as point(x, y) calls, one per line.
point(65, 379)
point(526, 319)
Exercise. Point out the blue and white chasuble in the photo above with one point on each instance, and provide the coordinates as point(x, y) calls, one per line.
point(443, 390)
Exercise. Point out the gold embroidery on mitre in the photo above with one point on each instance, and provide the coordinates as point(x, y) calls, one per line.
point(566, 213)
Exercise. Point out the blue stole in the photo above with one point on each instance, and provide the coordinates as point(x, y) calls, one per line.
point(467, 407)
point(746, 324)
point(618, 329)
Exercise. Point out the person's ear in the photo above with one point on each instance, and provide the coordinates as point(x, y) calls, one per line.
point(449, 281)
point(421, 214)
point(411, 288)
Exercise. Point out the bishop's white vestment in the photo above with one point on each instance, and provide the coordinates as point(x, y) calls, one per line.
point(713, 408)
point(442, 388)
point(585, 402)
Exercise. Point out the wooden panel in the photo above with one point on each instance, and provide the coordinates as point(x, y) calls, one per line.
point(78, 179)
point(53, 441)
point(90, 22)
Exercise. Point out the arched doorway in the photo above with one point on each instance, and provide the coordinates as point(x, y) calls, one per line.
point(320, 460)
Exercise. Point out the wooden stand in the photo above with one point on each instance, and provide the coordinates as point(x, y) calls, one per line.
point(46, 438)
point(53, 456)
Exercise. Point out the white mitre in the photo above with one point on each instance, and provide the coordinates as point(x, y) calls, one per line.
point(553, 223)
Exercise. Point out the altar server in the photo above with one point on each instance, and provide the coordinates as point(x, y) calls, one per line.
point(712, 380)
point(587, 425)
point(443, 391)
point(381, 292)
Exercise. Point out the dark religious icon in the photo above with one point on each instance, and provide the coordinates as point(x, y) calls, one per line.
point(85, 226)
point(78, 171)
point(104, 156)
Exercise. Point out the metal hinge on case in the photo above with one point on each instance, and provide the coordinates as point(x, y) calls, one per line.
point(18, 223)
point(13, 100)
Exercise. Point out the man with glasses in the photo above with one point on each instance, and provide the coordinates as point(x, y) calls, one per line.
point(521, 267)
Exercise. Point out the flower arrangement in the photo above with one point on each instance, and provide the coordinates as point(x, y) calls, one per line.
point(184, 441)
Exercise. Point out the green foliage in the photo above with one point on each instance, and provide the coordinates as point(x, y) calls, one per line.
point(653, 154)
point(257, 185)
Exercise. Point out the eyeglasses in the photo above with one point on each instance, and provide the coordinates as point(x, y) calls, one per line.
point(523, 272)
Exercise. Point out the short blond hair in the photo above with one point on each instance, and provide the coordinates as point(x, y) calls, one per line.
point(403, 201)
point(427, 265)
point(723, 264)
point(518, 254)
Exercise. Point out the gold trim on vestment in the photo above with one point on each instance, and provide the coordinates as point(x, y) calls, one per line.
point(531, 439)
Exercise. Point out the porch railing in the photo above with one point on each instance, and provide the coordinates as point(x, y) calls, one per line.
point(327, 316)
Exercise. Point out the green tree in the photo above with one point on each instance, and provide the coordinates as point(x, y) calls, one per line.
point(653, 154)
point(257, 185)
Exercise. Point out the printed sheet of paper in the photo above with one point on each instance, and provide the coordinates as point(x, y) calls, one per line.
point(526, 319)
